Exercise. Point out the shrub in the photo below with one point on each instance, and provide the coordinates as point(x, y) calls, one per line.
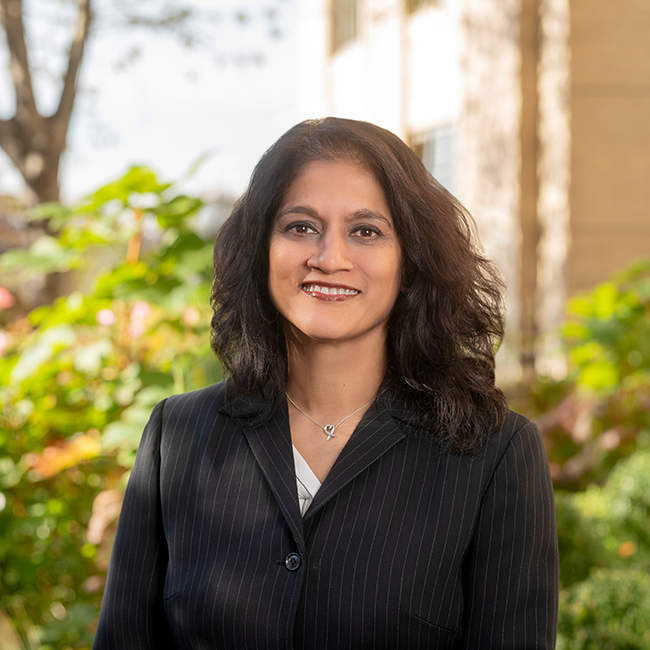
point(600, 413)
point(78, 380)
point(604, 537)
point(610, 611)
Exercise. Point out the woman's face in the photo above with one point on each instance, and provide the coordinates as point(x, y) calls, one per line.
point(334, 255)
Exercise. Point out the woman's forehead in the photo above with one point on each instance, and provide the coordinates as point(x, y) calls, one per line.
point(331, 187)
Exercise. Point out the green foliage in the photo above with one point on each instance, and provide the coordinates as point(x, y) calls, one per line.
point(610, 346)
point(45, 255)
point(619, 512)
point(580, 549)
point(604, 538)
point(596, 426)
point(78, 380)
point(596, 417)
point(611, 611)
point(606, 526)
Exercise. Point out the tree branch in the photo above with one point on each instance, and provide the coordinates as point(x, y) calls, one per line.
point(9, 143)
point(11, 17)
point(61, 119)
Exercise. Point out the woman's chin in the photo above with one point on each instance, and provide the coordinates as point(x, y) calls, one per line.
point(332, 334)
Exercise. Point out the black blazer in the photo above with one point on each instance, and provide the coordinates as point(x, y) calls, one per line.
point(403, 547)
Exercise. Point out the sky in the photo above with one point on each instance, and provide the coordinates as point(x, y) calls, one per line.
point(171, 104)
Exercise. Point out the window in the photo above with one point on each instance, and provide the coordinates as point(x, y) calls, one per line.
point(438, 150)
point(344, 22)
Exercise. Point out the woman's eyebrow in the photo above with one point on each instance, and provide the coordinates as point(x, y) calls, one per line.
point(299, 209)
point(371, 214)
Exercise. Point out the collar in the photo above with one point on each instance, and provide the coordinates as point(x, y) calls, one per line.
point(257, 409)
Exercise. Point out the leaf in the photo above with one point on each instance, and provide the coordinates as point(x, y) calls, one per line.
point(115, 282)
point(605, 300)
point(45, 255)
point(600, 375)
point(174, 212)
point(138, 180)
point(46, 211)
point(88, 358)
point(46, 346)
point(587, 352)
point(125, 434)
point(55, 458)
point(581, 306)
point(96, 235)
point(575, 330)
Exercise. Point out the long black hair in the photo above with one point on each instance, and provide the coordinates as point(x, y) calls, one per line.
point(447, 322)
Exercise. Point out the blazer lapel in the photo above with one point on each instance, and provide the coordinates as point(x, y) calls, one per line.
point(377, 432)
point(270, 442)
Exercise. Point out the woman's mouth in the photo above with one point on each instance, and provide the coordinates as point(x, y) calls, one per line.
point(328, 292)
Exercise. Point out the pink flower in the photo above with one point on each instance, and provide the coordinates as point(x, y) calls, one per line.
point(6, 299)
point(140, 310)
point(105, 317)
point(136, 330)
point(192, 316)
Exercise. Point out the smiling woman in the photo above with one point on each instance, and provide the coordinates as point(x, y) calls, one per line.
point(334, 258)
point(358, 481)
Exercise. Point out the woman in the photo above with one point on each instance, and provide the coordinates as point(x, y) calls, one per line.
point(358, 481)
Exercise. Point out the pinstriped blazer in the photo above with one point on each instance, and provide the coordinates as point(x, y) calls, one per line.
point(404, 546)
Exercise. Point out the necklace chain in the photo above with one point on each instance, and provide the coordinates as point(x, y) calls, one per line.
point(329, 429)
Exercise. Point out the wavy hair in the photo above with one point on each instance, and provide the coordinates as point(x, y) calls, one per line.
point(446, 324)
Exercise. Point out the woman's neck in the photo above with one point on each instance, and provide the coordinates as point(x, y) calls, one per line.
point(335, 378)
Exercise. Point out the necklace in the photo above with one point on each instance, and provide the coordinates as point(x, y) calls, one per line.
point(329, 429)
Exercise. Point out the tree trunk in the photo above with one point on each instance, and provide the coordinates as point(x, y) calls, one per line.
point(45, 184)
point(35, 143)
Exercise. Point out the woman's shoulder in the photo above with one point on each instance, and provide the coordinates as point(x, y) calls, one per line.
point(212, 396)
point(223, 399)
point(517, 435)
point(516, 424)
point(496, 442)
point(183, 419)
point(185, 410)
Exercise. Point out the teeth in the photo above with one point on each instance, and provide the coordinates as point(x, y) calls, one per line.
point(330, 291)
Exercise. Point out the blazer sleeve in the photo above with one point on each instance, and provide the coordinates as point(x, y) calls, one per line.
point(132, 615)
point(511, 576)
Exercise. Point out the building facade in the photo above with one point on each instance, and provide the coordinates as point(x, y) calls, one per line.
point(533, 112)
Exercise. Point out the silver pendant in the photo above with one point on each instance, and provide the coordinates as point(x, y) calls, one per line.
point(329, 431)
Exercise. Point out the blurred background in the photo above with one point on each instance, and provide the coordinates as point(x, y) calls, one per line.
point(127, 131)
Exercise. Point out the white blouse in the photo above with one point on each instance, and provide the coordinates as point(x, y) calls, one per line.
point(306, 480)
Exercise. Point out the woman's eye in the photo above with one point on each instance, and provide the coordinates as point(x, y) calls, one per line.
point(367, 232)
point(301, 228)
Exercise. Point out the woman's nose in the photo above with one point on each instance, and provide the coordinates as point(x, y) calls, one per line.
point(331, 254)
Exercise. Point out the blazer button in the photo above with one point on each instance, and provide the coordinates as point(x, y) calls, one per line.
point(292, 561)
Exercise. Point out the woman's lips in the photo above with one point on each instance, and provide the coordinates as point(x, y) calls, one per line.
point(329, 292)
